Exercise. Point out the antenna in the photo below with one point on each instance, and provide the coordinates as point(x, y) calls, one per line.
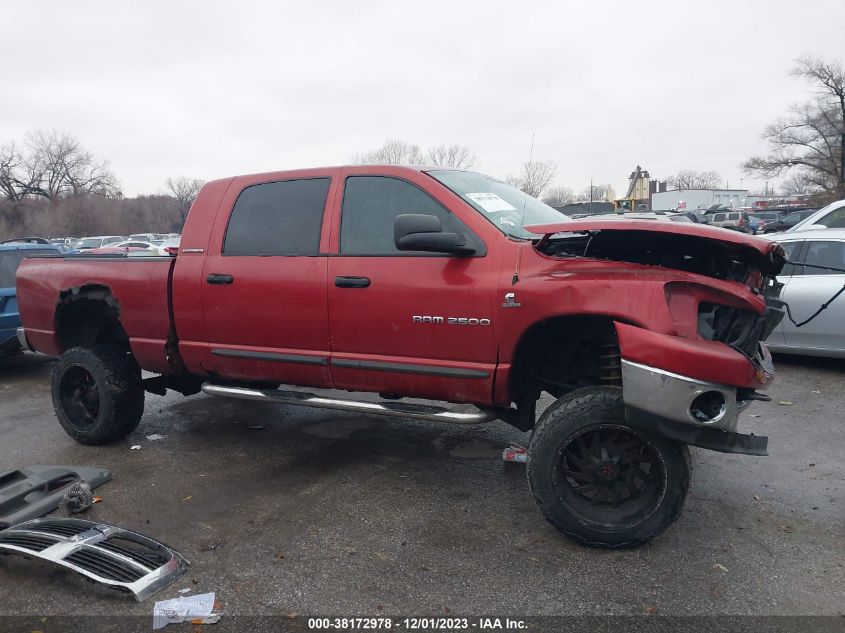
point(525, 195)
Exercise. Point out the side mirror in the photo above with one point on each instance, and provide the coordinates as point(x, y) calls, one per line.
point(417, 232)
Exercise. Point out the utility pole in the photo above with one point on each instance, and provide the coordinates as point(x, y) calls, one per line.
point(591, 194)
point(842, 164)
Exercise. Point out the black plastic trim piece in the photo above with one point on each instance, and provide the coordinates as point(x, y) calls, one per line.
point(703, 437)
point(272, 356)
point(408, 368)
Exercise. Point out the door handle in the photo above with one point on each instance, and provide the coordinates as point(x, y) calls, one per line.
point(219, 280)
point(352, 282)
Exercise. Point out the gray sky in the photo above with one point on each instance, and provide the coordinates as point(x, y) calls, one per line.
point(211, 89)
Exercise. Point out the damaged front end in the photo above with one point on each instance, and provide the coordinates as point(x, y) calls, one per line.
point(690, 378)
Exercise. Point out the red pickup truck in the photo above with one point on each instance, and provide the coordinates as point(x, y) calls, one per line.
point(443, 285)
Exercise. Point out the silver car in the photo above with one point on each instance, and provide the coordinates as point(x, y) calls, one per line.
point(806, 289)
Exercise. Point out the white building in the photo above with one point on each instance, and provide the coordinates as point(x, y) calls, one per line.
point(698, 199)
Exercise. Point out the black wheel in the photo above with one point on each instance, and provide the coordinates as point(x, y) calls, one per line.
point(97, 393)
point(599, 480)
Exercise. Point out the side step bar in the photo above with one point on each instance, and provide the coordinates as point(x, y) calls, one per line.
point(467, 414)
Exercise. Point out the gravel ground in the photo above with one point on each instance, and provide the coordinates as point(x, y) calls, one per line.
point(321, 512)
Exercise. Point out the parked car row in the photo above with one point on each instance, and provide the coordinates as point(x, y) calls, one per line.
point(775, 220)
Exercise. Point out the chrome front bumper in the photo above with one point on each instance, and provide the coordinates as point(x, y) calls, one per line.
point(670, 396)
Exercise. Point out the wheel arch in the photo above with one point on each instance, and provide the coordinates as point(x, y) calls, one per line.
point(87, 315)
point(564, 352)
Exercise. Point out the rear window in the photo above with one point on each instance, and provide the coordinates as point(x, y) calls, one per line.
point(10, 260)
point(278, 218)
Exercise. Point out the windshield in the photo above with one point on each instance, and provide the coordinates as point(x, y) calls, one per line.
point(90, 242)
point(509, 209)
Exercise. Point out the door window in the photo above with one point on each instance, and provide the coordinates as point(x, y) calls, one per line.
point(278, 218)
point(823, 254)
point(370, 206)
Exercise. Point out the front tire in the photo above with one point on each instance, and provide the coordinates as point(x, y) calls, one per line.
point(599, 480)
point(97, 393)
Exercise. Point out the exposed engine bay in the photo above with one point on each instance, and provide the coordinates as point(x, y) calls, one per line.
point(690, 253)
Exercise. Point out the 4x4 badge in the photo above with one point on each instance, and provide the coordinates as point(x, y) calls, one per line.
point(510, 301)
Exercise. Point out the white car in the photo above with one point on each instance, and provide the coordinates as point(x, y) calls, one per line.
point(98, 241)
point(830, 217)
point(806, 289)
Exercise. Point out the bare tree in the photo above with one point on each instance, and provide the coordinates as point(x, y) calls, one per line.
point(600, 193)
point(185, 191)
point(535, 177)
point(558, 196)
point(810, 140)
point(692, 179)
point(53, 166)
point(457, 156)
point(393, 152)
point(797, 185)
point(10, 163)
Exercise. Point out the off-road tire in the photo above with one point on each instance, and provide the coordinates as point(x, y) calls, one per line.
point(113, 401)
point(601, 410)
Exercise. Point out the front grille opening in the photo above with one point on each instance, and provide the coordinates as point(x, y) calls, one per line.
point(104, 565)
point(32, 542)
point(732, 326)
point(141, 554)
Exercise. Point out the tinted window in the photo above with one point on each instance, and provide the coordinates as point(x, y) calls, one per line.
point(278, 218)
point(719, 217)
point(371, 204)
point(792, 218)
point(10, 260)
point(824, 254)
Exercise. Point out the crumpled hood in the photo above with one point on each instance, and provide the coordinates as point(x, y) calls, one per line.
point(767, 255)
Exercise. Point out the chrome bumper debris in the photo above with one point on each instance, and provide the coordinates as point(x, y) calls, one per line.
point(670, 396)
point(110, 555)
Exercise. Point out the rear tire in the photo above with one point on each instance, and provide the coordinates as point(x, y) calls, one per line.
point(97, 393)
point(599, 480)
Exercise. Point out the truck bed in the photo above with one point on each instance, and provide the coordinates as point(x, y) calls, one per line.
point(139, 286)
